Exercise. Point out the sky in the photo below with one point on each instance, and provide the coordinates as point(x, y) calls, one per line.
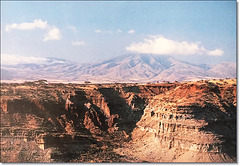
point(88, 32)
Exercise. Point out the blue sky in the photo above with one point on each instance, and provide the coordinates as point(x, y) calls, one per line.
point(194, 31)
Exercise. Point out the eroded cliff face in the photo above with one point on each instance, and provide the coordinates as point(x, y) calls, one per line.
point(90, 123)
point(195, 122)
point(60, 123)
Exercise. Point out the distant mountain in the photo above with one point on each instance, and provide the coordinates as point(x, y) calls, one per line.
point(127, 68)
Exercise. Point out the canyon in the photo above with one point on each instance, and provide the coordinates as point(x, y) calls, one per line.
point(119, 122)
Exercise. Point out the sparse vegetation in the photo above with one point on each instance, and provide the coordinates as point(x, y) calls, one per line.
point(87, 82)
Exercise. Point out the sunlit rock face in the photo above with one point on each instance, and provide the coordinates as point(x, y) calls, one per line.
point(168, 122)
point(194, 122)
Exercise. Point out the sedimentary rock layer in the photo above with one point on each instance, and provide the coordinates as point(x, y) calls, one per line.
point(194, 122)
point(177, 122)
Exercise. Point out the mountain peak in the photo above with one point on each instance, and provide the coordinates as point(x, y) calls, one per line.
point(126, 68)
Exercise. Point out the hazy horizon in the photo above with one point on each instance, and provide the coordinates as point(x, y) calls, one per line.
point(88, 32)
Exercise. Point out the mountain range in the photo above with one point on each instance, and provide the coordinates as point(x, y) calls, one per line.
point(139, 68)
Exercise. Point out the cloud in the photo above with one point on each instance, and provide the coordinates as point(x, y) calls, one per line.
point(108, 32)
point(8, 59)
point(216, 52)
point(163, 46)
point(53, 33)
point(79, 43)
point(131, 31)
point(98, 31)
point(102, 31)
point(36, 24)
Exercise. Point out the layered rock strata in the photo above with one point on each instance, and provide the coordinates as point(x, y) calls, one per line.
point(178, 122)
point(195, 122)
point(58, 123)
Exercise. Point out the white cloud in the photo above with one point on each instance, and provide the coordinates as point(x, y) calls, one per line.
point(163, 46)
point(98, 31)
point(8, 59)
point(78, 43)
point(36, 24)
point(53, 33)
point(102, 31)
point(131, 31)
point(119, 30)
point(216, 52)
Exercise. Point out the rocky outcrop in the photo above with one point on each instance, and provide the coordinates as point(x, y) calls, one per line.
point(51, 117)
point(189, 122)
point(195, 122)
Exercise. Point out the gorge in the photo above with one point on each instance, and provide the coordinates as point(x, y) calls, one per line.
point(119, 122)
